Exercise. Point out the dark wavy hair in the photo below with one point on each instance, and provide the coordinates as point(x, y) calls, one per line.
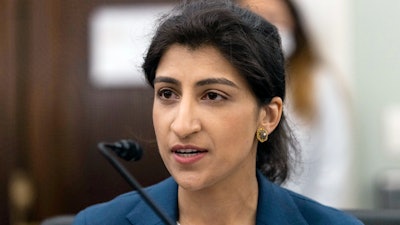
point(251, 44)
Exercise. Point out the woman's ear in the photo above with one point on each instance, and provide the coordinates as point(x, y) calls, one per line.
point(271, 114)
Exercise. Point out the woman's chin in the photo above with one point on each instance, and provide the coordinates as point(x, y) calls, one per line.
point(190, 182)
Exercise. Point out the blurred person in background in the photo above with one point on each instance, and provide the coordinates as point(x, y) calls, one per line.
point(318, 110)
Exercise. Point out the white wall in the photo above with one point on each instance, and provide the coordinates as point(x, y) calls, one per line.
point(377, 83)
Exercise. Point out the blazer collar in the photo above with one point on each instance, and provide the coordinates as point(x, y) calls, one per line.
point(275, 205)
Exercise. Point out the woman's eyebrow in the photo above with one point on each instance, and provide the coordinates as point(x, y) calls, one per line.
point(165, 80)
point(216, 81)
point(208, 81)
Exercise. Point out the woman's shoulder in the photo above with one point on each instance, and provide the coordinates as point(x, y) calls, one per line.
point(116, 210)
point(113, 210)
point(317, 213)
point(278, 205)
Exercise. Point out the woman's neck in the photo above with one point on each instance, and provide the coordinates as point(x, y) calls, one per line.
point(230, 203)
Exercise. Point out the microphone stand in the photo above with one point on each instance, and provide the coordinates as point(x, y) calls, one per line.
point(132, 181)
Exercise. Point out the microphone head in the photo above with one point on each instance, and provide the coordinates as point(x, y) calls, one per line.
point(127, 149)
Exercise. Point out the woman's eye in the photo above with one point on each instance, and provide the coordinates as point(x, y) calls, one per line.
point(213, 96)
point(165, 93)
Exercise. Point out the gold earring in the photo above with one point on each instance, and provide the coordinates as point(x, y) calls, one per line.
point(262, 135)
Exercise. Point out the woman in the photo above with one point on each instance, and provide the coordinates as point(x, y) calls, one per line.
point(318, 110)
point(219, 86)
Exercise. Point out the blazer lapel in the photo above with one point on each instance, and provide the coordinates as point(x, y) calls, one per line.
point(165, 196)
point(275, 205)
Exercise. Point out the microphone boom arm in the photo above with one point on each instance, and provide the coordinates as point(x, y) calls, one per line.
point(132, 181)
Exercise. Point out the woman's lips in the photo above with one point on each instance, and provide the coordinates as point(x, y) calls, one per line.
point(188, 154)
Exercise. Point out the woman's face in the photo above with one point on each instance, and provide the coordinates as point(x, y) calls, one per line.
point(205, 118)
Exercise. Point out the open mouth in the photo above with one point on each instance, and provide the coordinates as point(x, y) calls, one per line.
point(188, 152)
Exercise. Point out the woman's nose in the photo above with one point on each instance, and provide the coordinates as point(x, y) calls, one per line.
point(186, 121)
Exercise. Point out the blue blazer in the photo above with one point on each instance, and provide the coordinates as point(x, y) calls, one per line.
point(276, 206)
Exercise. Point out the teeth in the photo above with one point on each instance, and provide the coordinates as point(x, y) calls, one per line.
point(186, 151)
point(187, 155)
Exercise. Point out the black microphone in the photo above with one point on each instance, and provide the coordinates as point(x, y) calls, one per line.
point(127, 149)
point(131, 150)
